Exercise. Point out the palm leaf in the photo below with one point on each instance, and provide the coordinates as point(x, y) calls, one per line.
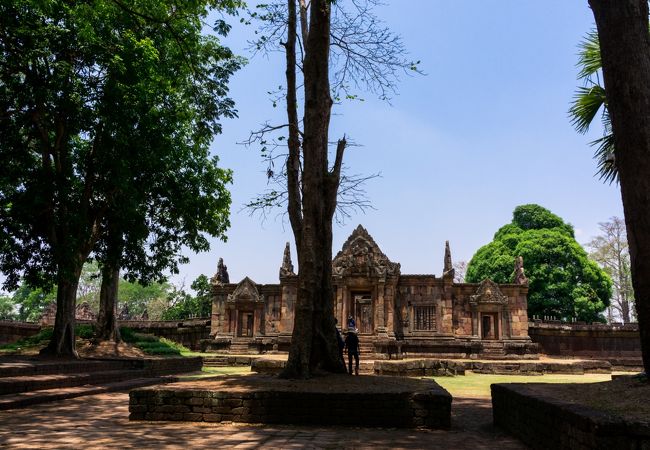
point(586, 103)
point(589, 60)
point(605, 158)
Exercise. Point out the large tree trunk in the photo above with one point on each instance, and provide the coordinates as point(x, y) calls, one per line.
point(314, 346)
point(62, 343)
point(625, 51)
point(107, 329)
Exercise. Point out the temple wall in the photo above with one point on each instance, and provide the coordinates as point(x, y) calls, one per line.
point(518, 303)
point(462, 313)
point(417, 291)
point(597, 340)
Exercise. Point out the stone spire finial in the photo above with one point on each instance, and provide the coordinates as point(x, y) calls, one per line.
point(287, 267)
point(222, 276)
point(520, 277)
point(448, 269)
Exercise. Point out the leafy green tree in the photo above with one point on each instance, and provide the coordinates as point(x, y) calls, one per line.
point(32, 301)
point(7, 308)
point(184, 305)
point(563, 281)
point(82, 85)
point(152, 298)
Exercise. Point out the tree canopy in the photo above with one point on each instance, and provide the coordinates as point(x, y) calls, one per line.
point(563, 281)
point(108, 108)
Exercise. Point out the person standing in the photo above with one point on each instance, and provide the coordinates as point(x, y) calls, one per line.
point(352, 344)
point(340, 341)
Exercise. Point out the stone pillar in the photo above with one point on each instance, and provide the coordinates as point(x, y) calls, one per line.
point(507, 323)
point(390, 310)
point(257, 321)
point(475, 322)
point(380, 321)
point(345, 308)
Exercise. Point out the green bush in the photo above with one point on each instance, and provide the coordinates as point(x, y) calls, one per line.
point(85, 331)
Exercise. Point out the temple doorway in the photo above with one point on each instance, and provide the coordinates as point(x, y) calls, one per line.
point(245, 328)
point(489, 326)
point(363, 311)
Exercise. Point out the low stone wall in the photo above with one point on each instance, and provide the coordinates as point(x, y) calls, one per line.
point(186, 332)
point(420, 368)
point(545, 423)
point(429, 408)
point(15, 331)
point(596, 340)
point(447, 367)
point(164, 366)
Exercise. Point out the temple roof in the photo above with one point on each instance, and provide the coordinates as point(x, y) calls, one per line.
point(360, 255)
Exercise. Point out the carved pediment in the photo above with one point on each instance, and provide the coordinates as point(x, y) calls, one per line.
point(361, 255)
point(246, 291)
point(488, 292)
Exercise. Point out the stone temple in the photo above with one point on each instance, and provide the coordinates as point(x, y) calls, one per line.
point(397, 315)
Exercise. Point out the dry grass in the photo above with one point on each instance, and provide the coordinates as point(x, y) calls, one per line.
point(624, 396)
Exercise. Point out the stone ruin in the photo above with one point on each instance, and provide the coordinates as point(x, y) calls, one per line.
point(395, 313)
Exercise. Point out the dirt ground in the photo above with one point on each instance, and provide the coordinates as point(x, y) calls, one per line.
point(340, 383)
point(107, 349)
point(101, 421)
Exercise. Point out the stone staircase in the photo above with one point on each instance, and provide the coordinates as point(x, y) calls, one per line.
point(492, 350)
point(29, 380)
point(239, 346)
point(215, 361)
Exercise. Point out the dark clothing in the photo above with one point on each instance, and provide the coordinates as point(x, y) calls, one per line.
point(352, 344)
point(341, 343)
point(351, 323)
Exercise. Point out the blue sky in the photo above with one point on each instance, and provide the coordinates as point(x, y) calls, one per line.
point(484, 131)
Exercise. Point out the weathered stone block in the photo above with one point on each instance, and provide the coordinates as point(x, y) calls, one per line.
point(194, 401)
point(137, 408)
point(193, 417)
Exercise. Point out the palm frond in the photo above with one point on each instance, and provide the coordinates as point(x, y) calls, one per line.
point(605, 158)
point(589, 60)
point(587, 101)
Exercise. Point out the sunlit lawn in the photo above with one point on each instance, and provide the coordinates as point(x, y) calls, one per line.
point(478, 386)
point(208, 372)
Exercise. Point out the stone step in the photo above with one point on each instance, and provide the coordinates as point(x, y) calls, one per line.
point(215, 363)
point(27, 366)
point(14, 385)
point(23, 399)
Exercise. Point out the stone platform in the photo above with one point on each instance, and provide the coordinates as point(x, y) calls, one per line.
point(369, 401)
point(29, 380)
point(545, 422)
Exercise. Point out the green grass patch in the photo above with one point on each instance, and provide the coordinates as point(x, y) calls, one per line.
point(474, 385)
point(153, 345)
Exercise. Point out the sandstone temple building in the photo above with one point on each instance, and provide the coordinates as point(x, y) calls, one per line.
point(396, 314)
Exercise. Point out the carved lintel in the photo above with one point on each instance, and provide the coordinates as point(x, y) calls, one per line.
point(488, 292)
